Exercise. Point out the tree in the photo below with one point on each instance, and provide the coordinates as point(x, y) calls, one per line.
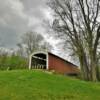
point(79, 21)
point(31, 42)
point(20, 50)
point(46, 46)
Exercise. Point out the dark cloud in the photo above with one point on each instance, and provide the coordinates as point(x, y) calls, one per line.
point(18, 17)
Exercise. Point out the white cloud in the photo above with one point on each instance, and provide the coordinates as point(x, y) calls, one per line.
point(20, 16)
point(18, 7)
point(47, 13)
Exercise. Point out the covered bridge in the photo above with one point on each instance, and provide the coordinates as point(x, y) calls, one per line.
point(50, 61)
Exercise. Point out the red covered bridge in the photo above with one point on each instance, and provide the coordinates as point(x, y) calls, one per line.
point(49, 61)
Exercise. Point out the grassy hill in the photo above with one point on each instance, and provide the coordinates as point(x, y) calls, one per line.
point(38, 85)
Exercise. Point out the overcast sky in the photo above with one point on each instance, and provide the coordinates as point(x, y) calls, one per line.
point(20, 16)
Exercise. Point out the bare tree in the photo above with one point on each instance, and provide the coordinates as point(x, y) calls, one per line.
point(79, 21)
point(46, 46)
point(32, 41)
point(20, 50)
point(3, 52)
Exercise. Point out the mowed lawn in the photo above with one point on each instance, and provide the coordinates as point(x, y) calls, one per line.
point(39, 85)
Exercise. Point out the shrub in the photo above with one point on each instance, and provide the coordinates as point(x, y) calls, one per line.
point(13, 62)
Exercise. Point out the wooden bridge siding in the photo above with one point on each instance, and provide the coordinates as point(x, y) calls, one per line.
point(60, 65)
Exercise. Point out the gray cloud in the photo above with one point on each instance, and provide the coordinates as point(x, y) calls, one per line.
point(18, 17)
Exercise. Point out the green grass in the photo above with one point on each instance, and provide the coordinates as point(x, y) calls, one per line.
point(38, 85)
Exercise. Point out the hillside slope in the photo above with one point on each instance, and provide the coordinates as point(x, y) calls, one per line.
point(38, 85)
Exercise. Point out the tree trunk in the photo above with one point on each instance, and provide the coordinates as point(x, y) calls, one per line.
point(94, 71)
point(93, 65)
point(85, 73)
point(98, 72)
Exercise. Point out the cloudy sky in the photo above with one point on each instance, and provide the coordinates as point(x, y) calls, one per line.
point(20, 16)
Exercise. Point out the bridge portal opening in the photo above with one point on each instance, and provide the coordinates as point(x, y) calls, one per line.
point(38, 61)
